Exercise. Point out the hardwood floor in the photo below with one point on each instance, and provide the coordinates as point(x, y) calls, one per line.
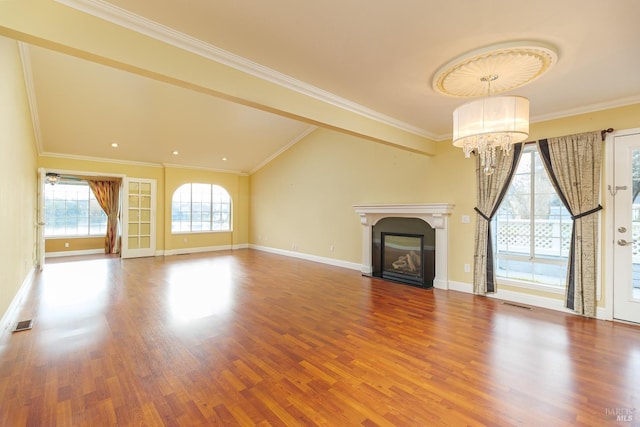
point(251, 338)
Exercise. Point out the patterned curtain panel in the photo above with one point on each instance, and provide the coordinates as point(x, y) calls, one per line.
point(491, 189)
point(573, 164)
point(108, 195)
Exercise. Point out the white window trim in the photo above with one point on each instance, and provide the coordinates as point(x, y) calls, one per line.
point(176, 233)
point(531, 285)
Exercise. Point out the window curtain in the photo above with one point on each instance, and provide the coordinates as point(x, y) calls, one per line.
point(108, 195)
point(573, 164)
point(491, 190)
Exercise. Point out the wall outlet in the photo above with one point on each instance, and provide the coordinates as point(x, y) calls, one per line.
point(66, 244)
point(185, 240)
point(466, 219)
point(330, 248)
point(467, 268)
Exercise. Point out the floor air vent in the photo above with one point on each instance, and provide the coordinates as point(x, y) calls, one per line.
point(517, 305)
point(23, 325)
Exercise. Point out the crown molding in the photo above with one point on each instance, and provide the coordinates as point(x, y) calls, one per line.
point(621, 102)
point(25, 58)
point(291, 143)
point(203, 168)
point(121, 17)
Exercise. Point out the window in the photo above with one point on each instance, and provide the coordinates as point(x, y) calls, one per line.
point(532, 227)
point(200, 207)
point(71, 209)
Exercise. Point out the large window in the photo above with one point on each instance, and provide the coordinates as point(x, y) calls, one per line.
point(532, 228)
point(72, 210)
point(200, 207)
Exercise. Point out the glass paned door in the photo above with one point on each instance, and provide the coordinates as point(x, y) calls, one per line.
point(139, 228)
point(626, 268)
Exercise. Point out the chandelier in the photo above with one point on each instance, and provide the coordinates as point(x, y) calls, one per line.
point(489, 124)
point(492, 123)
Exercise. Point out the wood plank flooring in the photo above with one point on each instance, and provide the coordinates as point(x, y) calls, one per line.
point(252, 338)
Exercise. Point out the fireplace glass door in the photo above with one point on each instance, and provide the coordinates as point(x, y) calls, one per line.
point(403, 258)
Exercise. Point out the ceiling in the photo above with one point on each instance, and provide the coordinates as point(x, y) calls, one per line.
point(376, 58)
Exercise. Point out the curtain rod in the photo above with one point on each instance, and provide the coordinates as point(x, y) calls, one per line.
point(604, 132)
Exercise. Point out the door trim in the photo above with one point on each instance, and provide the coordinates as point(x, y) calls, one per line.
point(40, 223)
point(609, 221)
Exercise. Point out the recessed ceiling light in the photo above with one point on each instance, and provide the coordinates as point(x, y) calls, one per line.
point(175, 152)
point(224, 159)
point(114, 144)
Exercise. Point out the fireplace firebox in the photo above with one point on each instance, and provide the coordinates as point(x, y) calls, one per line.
point(403, 258)
point(403, 251)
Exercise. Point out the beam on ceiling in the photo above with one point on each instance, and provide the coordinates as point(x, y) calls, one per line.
point(54, 26)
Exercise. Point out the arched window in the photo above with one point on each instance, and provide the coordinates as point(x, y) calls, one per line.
point(200, 207)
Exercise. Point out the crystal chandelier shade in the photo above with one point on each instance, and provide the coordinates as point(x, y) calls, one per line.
point(488, 124)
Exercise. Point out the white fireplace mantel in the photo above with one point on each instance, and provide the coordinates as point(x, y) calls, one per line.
point(434, 214)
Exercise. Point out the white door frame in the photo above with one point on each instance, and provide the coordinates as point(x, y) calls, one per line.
point(609, 234)
point(40, 223)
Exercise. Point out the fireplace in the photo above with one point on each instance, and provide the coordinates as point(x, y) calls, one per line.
point(403, 251)
point(403, 258)
point(436, 215)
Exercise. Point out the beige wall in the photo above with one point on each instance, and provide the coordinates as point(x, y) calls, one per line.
point(305, 196)
point(74, 244)
point(18, 177)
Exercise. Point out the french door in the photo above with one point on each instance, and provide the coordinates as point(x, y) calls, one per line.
point(139, 217)
point(626, 232)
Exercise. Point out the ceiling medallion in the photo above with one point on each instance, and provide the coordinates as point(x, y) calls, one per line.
point(516, 63)
point(492, 123)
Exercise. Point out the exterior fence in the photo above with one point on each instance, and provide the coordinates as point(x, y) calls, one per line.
point(552, 236)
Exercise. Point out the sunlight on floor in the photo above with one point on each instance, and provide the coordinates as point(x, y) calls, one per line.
point(73, 305)
point(80, 294)
point(197, 291)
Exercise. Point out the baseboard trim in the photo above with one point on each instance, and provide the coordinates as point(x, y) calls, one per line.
point(185, 251)
point(308, 257)
point(8, 318)
point(460, 287)
point(527, 299)
point(73, 253)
